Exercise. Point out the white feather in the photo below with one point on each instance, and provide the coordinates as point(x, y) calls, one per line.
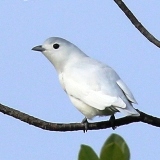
point(93, 88)
point(126, 91)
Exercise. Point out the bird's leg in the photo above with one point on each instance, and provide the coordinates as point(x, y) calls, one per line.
point(112, 121)
point(85, 122)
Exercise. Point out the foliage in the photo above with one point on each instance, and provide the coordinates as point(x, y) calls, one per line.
point(114, 148)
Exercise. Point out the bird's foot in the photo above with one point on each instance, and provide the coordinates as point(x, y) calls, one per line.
point(85, 122)
point(112, 121)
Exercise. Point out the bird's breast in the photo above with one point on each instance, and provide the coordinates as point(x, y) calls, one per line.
point(61, 80)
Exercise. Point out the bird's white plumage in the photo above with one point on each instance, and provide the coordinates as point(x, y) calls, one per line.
point(126, 91)
point(93, 88)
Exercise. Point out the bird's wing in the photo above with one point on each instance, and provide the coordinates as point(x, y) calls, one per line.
point(94, 90)
point(126, 91)
point(91, 97)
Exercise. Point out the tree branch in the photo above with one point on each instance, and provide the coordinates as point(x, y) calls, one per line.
point(77, 126)
point(136, 23)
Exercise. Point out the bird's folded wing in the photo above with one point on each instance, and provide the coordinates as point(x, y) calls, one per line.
point(91, 95)
point(126, 91)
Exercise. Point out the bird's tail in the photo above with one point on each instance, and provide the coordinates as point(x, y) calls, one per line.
point(129, 111)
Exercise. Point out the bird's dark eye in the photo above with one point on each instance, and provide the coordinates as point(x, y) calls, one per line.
point(55, 46)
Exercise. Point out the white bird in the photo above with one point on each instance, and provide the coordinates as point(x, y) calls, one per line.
point(94, 88)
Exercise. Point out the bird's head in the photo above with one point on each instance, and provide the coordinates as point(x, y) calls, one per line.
point(58, 51)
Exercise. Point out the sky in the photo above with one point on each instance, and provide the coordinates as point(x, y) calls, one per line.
point(29, 82)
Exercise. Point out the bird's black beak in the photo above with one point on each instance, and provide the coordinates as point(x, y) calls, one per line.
point(38, 48)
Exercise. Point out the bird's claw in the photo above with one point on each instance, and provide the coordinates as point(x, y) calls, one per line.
point(112, 121)
point(85, 122)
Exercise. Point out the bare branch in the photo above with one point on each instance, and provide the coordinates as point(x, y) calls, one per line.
point(136, 23)
point(77, 126)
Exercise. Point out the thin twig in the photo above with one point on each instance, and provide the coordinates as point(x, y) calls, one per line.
point(136, 23)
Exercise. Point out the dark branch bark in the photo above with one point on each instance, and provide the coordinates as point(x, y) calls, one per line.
point(136, 23)
point(77, 126)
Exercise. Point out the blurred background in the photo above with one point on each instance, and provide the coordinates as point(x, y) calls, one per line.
point(29, 83)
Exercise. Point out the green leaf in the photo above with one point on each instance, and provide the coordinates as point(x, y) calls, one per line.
point(87, 153)
point(111, 152)
point(115, 148)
